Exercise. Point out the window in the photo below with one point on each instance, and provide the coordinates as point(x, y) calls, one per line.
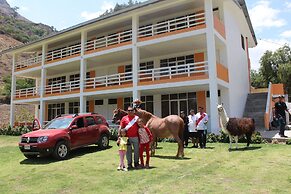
point(99, 120)
point(208, 93)
point(57, 80)
point(174, 103)
point(148, 103)
point(74, 107)
point(176, 61)
point(242, 42)
point(112, 101)
point(80, 122)
point(127, 102)
point(98, 102)
point(146, 65)
point(90, 121)
point(55, 109)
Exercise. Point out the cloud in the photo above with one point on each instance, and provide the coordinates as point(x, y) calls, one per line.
point(106, 5)
point(288, 4)
point(264, 45)
point(286, 34)
point(263, 16)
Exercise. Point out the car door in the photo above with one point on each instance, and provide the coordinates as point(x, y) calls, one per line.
point(78, 134)
point(92, 130)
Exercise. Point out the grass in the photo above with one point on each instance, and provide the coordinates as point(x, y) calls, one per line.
point(260, 169)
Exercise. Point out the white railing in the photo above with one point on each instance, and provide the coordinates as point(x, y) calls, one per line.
point(172, 25)
point(28, 62)
point(171, 72)
point(64, 52)
point(108, 80)
point(62, 87)
point(106, 41)
point(27, 92)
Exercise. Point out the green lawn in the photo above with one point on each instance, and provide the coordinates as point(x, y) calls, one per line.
point(262, 169)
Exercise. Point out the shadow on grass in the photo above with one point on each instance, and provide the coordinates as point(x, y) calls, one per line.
point(73, 154)
point(244, 149)
point(170, 157)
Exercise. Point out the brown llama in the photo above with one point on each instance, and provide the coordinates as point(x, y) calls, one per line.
point(236, 127)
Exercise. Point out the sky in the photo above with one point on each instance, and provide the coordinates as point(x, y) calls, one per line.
point(271, 19)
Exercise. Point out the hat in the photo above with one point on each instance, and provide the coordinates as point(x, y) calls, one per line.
point(182, 112)
point(281, 96)
point(137, 101)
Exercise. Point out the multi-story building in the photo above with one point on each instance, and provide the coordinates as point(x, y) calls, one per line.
point(173, 55)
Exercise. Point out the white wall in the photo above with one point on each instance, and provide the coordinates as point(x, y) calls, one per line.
point(237, 59)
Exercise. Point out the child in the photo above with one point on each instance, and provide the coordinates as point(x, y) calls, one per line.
point(122, 143)
point(145, 138)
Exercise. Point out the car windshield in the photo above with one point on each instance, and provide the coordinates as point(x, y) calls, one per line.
point(60, 123)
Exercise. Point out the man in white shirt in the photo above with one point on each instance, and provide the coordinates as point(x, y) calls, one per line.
point(202, 119)
point(192, 128)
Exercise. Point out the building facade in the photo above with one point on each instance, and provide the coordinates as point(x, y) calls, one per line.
point(173, 55)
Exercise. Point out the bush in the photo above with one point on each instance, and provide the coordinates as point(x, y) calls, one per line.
point(223, 138)
point(288, 142)
point(113, 133)
point(14, 131)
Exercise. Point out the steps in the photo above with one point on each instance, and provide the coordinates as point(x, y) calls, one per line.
point(255, 108)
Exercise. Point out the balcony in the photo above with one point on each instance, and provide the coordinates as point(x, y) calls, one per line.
point(192, 71)
point(28, 63)
point(26, 93)
point(120, 80)
point(108, 42)
point(173, 26)
point(63, 53)
point(63, 88)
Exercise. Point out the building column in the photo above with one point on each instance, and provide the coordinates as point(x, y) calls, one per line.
point(211, 53)
point(158, 105)
point(42, 112)
point(36, 111)
point(135, 56)
point(13, 88)
point(83, 100)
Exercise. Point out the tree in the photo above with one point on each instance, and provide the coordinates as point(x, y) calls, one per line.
point(275, 67)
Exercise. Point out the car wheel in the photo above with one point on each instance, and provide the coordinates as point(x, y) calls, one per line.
point(103, 141)
point(61, 150)
point(30, 156)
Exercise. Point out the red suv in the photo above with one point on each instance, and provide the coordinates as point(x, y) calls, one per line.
point(65, 133)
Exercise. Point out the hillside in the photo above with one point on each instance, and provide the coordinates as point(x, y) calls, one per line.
point(15, 30)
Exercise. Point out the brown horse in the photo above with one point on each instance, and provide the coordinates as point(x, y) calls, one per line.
point(171, 125)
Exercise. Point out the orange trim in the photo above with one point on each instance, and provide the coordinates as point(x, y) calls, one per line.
point(172, 33)
point(120, 103)
point(277, 89)
point(91, 105)
point(28, 97)
point(107, 48)
point(126, 85)
point(219, 26)
point(92, 74)
point(63, 93)
point(121, 69)
point(29, 67)
point(180, 79)
point(64, 58)
point(222, 72)
point(201, 99)
point(199, 57)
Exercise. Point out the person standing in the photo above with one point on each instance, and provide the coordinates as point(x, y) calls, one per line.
point(186, 132)
point(280, 108)
point(202, 119)
point(145, 138)
point(122, 144)
point(192, 128)
point(129, 123)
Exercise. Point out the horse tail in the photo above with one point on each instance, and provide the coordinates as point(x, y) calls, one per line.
point(181, 130)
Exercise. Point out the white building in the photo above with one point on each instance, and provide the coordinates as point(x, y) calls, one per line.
point(174, 55)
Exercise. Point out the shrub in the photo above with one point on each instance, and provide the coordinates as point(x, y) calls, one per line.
point(14, 131)
point(113, 133)
point(288, 142)
point(223, 138)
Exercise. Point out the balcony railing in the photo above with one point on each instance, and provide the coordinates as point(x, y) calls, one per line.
point(109, 80)
point(62, 87)
point(172, 25)
point(64, 52)
point(28, 62)
point(27, 92)
point(187, 70)
point(110, 40)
